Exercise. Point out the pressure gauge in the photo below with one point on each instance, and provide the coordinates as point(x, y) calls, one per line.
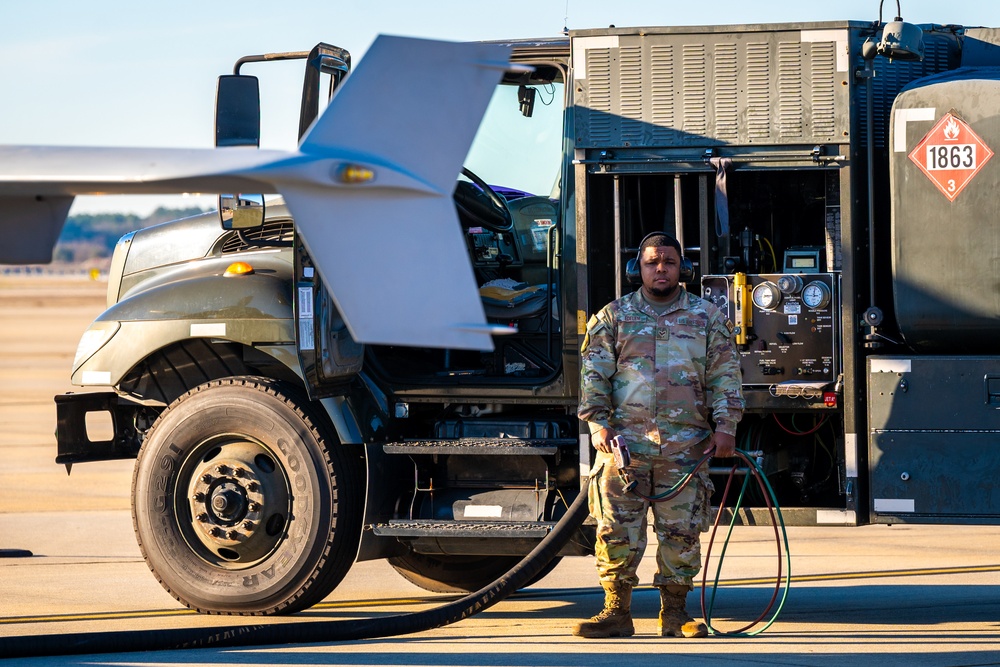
point(766, 296)
point(816, 295)
point(790, 284)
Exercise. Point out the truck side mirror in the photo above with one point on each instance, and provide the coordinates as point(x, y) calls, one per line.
point(241, 211)
point(237, 111)
point(237, 123)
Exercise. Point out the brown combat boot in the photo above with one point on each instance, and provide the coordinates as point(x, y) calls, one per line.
point(674, 619)
point(615, 620)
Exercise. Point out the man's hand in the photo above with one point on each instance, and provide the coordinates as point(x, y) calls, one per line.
point(602, 440)
point(725, 445)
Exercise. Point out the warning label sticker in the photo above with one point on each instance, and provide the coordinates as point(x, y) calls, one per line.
point(950, 155)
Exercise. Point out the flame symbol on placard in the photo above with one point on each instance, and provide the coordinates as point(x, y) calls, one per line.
point(951, 130)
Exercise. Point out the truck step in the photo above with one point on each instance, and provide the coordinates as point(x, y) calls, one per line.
point(502, 529)
point(480, 446)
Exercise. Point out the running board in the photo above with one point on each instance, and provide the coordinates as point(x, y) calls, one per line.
point(463, 529)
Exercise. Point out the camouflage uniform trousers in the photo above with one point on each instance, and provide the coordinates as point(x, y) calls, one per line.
point(678, 522)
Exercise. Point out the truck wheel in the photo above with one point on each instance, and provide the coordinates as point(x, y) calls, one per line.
point(458, 574)
point(241, 502)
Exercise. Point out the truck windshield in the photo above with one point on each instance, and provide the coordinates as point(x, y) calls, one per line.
point(515, 152)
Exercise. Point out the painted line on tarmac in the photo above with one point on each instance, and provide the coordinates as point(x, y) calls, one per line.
point(160, 613)
point(527, 594)
point(871, 574)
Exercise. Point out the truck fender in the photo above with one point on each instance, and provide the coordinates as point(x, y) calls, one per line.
point(250, 310)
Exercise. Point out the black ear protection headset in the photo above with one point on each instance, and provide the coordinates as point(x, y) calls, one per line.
point(634, 273)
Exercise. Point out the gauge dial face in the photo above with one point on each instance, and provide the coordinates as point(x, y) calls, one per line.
point(766, 296)
point(816, 295)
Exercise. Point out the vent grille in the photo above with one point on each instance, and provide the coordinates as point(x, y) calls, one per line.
point(823, 90)
point(727, 110)
point(759, 87)
point(758, 91)
point(599, 101)
point(695, 87)
point(272, 231)
point(790, 110)
point(661, 69)
point(630, 62)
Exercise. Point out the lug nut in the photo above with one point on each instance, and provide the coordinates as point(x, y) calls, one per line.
point(253, 487)
point(199, 497)
point(207, 478)
point(222, 470)
point(215, 532)
point(240, 472)
point(254, 507)
point(233, 535)
point(248, 525)
point(202, 517)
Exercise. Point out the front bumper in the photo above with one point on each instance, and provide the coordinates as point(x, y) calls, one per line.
point(73, 443)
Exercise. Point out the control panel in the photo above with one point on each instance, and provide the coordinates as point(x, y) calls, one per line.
point(787, 324)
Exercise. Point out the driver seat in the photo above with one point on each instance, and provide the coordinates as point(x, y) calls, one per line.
point(506, 299)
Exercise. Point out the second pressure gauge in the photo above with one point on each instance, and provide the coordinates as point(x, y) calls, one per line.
point(816, 295)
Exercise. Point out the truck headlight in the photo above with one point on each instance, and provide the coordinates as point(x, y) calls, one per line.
point(93, 340)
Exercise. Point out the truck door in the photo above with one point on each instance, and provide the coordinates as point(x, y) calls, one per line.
point(328, 354)
point(389, 264)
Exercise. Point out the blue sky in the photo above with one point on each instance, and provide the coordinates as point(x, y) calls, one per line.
point(143, 74)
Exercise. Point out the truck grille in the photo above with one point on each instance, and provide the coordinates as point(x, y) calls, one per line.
point(272, 231)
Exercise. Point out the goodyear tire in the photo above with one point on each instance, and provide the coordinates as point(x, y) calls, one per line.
point(241, 502)
point(458, 574)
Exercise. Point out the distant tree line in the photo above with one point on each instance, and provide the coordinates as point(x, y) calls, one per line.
point(90, 238)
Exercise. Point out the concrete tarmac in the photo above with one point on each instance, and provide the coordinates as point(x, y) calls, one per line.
point(872, 595)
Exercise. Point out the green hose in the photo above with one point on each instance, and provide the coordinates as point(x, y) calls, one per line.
point(776, 520)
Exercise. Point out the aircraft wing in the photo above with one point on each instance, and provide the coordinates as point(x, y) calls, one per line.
point(390, 250)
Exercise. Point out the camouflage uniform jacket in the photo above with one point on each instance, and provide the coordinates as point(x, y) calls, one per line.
point(651, 377)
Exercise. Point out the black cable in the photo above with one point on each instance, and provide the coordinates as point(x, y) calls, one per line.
point(310, 632)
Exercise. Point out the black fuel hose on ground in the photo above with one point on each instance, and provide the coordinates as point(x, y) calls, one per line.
point(308, 632)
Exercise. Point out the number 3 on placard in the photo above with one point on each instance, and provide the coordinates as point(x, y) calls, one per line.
point(951, 185)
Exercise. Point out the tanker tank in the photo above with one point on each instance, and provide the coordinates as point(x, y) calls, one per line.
point(945, 221)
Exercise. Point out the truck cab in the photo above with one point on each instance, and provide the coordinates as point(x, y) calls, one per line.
point(452, 463)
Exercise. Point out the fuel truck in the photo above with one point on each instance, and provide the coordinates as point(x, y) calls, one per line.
point(834, 185)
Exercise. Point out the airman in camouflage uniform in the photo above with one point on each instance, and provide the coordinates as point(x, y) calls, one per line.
point(656, 365)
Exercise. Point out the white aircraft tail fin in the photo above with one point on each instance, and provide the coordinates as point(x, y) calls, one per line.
point(390, 250)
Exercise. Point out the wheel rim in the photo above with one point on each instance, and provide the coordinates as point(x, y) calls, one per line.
point(233, 501)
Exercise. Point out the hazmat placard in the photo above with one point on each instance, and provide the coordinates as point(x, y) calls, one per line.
point(951, 154)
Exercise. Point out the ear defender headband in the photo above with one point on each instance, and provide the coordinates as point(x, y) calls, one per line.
point(632, 267)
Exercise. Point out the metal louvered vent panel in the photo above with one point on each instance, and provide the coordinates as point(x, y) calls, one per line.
point(598, 129)
point(791, 113)
point(822, 74)
point(694, 89)
point(758, 91)
point(630, 85)
point(727, 86)
point(661, 92)
point(761, 87)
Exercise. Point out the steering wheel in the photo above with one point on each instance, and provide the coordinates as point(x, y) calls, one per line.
point(480, 205)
